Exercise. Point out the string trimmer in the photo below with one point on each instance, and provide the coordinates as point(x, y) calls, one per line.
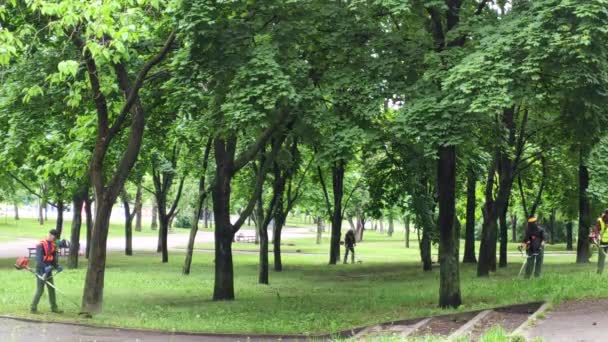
point(23, 264)
point(527, 258)
point(595, 239)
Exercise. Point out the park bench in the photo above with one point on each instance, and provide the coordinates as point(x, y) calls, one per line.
point(245, 238)
point(61, 251)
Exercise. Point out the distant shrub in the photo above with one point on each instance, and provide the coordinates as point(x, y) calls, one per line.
point(183, 221)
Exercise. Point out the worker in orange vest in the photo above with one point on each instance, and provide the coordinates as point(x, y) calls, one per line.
point(46, 261)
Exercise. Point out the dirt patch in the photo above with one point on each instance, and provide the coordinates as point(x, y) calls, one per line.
point(509, 318)
point(444, 325)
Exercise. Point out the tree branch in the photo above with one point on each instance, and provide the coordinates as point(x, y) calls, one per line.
point(523, 196)
point(326, 195)
point(291, 200)
point(30, 189)
point(542, 187)
point(350, 195)
point(132, 93)
point(177, 197)
point(247, 155)
point(259, 183)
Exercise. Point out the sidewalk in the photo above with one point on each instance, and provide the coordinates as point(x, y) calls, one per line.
point(573, 321)
point(176, 241)
point(15, 330)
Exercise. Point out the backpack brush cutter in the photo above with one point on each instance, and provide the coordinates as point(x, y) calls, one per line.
point(23, 264)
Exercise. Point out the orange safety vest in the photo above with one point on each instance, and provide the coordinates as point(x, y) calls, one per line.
point(49, 251)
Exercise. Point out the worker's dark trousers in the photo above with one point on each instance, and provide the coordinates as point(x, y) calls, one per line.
point(352, 256)
point(39, 290)
point(534, 262)
point(601, 259)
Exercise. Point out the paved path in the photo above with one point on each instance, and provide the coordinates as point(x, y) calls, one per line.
point(12, 330)
point(176, 241)
point(577, 321)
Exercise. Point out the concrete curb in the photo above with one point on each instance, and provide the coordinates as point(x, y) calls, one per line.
point(521, 330)
point(469, 325)
point(416, 326)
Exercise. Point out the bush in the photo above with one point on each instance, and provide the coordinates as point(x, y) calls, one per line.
point(183, 221)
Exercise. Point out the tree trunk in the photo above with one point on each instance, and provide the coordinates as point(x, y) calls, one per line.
point(485, 258)
point(40, 213)
point(198, 209)
point(128, 224)
point(336, 220)
point(569, 236)
point(163, 221)
point(469, 242)
point(425, 251)
point(552, 226)
point(319, 229)
point(59, 223)
point(223, 288)
point(154, 224)
point(89, 218)
point(138, 207)
point(262, 233)
point(75, 235)
point(513, 228)
point(582, 249)
point(488, 228)
point(493, 259)
point(206, 218)
point(191, 240)
point(350, 222)
point(360, 226)
point(449, 273)
point(16, 211)
point(279, 221)
point(107, 192)
point(224, 278)
point(263, 271)
point(504, 238)
point(381, 226)
point(159, 241)
point(407, 231)
point(391, 225)
point(495, 209)
point(93, 287)
point(171, 219)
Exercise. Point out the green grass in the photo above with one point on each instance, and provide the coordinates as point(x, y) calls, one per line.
point(391, 247)
point(307, 297)
point(30, 228)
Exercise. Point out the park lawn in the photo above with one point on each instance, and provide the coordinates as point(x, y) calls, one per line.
point(392, 247)
point(308, 297)
point(31, 229)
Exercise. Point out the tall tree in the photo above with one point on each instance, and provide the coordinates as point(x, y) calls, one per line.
point(198, 209)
